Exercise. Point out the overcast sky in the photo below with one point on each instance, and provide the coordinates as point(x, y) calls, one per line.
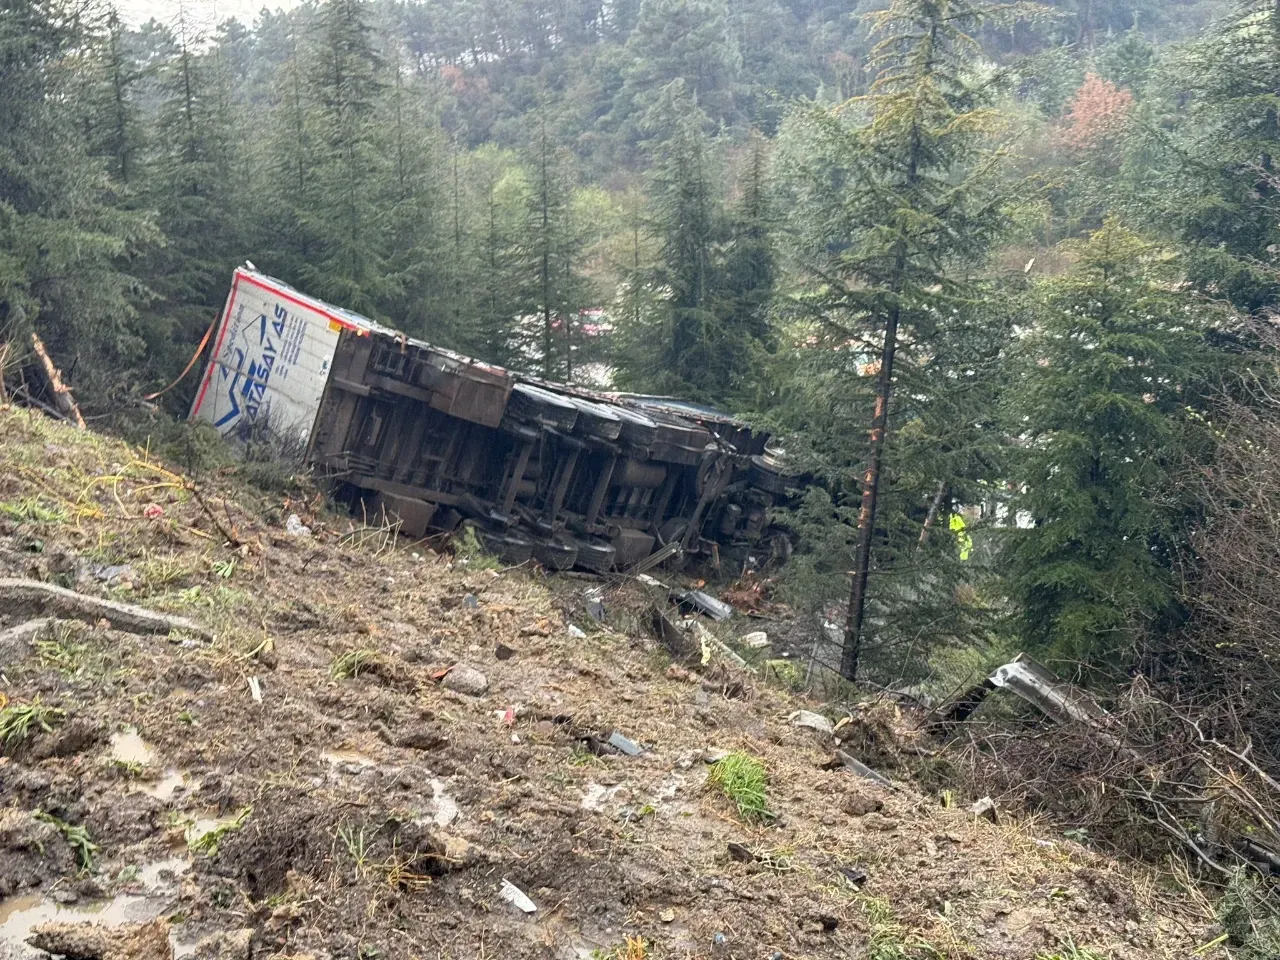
point(203, 11)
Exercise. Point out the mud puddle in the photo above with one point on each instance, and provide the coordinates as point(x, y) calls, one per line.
point(169, 783)
point(20, 915)
point(128, 746)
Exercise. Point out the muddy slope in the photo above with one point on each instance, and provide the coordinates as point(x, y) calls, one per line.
point(372, 805)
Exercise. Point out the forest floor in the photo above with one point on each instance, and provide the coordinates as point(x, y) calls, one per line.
point(367, 807)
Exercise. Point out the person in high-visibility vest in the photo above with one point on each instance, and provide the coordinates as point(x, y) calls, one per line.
point(962, 536)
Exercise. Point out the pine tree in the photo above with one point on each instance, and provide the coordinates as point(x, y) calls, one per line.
point(118, 127)
point(1223, 155)
point(65, 233)
point(344, 212)
point(674, 347)
point(551, 248)
point(748, 274)
point(493, 283)
point(685, 40)
point(1107, 403)
point(408, 124)
point(289, 185)
point(897, 206)
point(190, 178)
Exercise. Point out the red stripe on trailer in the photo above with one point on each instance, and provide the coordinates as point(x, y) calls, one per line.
point(217, 349)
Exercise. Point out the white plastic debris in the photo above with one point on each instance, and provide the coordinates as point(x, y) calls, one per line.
point(255, 689)
point(515, 896)
point(814, 721)
point(295, 527)
point(446, 807)
point(757, 640)
point(598, 795)
point(577, 632)
point(986, 810)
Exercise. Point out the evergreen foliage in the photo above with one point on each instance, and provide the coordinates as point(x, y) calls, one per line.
point(1107, 401)
point(1027, 236)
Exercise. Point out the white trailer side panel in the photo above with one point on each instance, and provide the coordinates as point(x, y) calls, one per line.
point(270, 361)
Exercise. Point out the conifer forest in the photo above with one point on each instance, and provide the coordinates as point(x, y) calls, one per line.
point(1001, 279)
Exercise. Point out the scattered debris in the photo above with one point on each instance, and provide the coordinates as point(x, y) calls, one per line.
point(503, 652)
point(295, 527)
point(595, 609)
point(985, 809)
point(675, 641)
point(719, 943)
point(1035, 684)
point(856, 876)
point(471, 601)
point(517, 897)
point(756, 640)
point(597, 795)
point(667, 916)
point(814, 721)
point(710, 642)
point(705, 603)
point(255, 689)
point(446, 806)
point(153, 511)
point(123, 616)
point(862, 770)
point(577, 632)
point(466, 679)
point(626, 745)
point(741, 852)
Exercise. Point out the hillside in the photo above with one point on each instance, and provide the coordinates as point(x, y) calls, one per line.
point(368, 808)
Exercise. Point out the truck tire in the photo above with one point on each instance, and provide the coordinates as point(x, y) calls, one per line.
point(555, 554)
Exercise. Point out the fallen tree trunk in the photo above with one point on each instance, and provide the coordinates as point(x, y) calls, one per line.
point(62, 397)
point(67, 603)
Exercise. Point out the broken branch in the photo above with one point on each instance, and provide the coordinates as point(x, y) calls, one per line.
point(123, 616)
point(62, 397)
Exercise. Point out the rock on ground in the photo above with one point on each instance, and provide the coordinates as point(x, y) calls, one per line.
point(91, 941)
point(466, 679)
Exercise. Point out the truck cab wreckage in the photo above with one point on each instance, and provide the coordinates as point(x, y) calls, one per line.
point(563, 475)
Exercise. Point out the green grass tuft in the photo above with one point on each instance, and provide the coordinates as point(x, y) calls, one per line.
point(76, 835)
point(469, 552)
point(742, 778)
point(208, 843)
point(1069, 951)
point(19, 721)
point(32, 509)
point(352, 662)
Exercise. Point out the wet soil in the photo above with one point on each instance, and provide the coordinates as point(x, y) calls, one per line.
point(371, 812)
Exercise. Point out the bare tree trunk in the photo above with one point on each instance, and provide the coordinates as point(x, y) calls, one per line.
point(933, 512)
point(870, 495)
point(62, 398)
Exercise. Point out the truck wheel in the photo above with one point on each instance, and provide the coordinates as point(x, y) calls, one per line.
point(555, 554)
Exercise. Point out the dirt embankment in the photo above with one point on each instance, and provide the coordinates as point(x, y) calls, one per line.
point(312, 782)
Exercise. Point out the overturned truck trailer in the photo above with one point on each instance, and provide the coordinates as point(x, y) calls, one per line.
point(566, 476)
